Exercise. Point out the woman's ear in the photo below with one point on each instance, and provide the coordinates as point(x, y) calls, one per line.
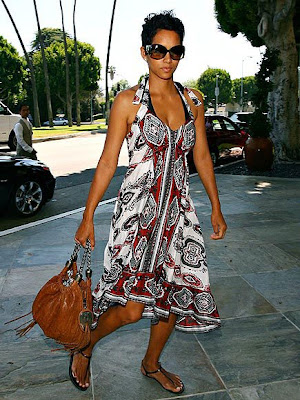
point(143, 53)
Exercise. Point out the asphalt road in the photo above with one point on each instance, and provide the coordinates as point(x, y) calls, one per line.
point(73, 162)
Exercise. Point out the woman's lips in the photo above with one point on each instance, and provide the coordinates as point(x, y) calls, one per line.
point(167, 69)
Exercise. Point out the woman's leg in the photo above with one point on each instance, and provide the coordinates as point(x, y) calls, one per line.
point(158, 338)
point(111, 320)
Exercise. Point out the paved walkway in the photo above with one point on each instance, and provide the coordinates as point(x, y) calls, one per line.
point(255, 277)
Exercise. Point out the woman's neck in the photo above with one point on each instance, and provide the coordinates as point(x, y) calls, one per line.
point(161, 86)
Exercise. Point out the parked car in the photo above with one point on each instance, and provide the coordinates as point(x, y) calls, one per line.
point(7, 122)
point(57, 121)
point(222, 135)
point(242, 119)
point(25, 184)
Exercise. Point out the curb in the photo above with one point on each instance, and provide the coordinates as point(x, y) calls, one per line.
point(71, 135)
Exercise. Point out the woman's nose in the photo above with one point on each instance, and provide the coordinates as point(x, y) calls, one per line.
point(167, 58)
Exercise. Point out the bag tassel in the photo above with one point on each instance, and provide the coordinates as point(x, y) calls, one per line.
point(16, 319)
point(23, 331)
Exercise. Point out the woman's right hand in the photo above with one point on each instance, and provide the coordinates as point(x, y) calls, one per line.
point(84, 232)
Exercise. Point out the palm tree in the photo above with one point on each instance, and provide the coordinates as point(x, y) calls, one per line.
point(50, 35)
point(78, 119)
point(107, 62)
point(36, 114)
point(68, 97)
point(47, 85)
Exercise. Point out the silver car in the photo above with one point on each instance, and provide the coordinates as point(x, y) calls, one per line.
point(57, 121)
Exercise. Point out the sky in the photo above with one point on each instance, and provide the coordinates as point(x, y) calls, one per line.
point(206, 46)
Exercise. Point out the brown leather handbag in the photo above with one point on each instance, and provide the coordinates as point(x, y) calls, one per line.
point(63, 306)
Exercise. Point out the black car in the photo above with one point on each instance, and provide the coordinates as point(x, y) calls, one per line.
point(25, 184)
point(223, 135)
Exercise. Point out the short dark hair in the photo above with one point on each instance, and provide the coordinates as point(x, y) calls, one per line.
point(23, 105)
point(164, 20)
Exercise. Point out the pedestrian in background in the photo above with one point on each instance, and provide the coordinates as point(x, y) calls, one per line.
point(23, 132)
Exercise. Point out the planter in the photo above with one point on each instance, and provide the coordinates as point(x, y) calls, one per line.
point(259, 153)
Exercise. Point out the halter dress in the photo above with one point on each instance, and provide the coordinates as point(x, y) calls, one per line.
point(155, 253)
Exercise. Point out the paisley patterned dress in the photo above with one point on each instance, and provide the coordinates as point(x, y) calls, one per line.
point(155, 253)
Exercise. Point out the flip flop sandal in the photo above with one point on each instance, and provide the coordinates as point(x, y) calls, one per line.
point(72, 377)
point(160, 369)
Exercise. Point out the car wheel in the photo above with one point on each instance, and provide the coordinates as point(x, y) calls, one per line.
point(12, 141)
point(64, 124)
point(214, 157)
point(27, 198)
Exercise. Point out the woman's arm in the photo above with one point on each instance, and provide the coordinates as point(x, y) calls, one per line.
point(118, 127)
point(204, 167)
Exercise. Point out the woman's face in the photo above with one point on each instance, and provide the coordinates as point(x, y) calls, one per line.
point(165, 67)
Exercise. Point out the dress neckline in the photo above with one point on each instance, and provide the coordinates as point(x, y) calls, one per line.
point(184, 103)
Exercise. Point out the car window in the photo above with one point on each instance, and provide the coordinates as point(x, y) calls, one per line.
point(228, 125)
point(3, 111)
point(216, 125)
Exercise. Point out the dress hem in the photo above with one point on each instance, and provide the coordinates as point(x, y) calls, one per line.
point(156, 312)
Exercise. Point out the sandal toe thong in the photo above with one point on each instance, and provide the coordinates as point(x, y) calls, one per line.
point(72, 377)
point(160, 369)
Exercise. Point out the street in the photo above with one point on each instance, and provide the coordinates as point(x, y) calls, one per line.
point(73, 162)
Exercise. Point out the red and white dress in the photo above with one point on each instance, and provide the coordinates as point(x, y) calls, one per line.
point(155, 253)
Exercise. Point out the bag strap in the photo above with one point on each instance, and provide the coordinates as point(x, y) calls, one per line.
point(85, 261)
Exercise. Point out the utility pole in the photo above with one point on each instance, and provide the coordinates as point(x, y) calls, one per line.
point(217, 92)
point(242, 83)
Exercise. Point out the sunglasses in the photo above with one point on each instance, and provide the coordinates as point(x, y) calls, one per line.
point(158, 51)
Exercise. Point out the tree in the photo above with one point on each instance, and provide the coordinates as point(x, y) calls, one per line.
point(45, 67)
point(11, 72)
point(36, 115)
point(191, 83)
point(49, 35)
point(77, 81)
point(89, 71)
point(207, 84)
point(107, 60)
point(248, 89)
point(275, 24)
point(117, 87)
point(68, 97)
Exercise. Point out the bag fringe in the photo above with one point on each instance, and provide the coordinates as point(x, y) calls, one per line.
point(24, 331)
point(16, 319)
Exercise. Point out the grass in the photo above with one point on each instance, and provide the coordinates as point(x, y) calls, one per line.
point(45, 131)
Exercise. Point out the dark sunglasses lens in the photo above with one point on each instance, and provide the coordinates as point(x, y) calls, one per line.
point(158, 52)
point(177, 52)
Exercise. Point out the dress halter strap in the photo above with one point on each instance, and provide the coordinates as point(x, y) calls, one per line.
point(142, 94)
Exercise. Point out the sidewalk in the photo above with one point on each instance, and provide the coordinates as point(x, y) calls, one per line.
point(255, 278)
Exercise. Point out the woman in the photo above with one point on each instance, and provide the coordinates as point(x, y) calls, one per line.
point(154, 262)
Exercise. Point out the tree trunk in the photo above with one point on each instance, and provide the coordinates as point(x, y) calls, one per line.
point(107, 62)
point(47, 85)
point(68, 100)
point(36, 111)
point(78, 118)
point(45, 66)
point(277, 31)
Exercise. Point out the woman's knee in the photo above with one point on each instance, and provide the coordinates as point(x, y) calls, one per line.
point(132, 312)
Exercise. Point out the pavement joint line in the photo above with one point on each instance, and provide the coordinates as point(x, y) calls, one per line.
point(288, 319)
point(187, 396)
point(212, 364)
point(52, 218)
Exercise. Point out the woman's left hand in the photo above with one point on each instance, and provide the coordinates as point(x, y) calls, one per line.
point(218, 224)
